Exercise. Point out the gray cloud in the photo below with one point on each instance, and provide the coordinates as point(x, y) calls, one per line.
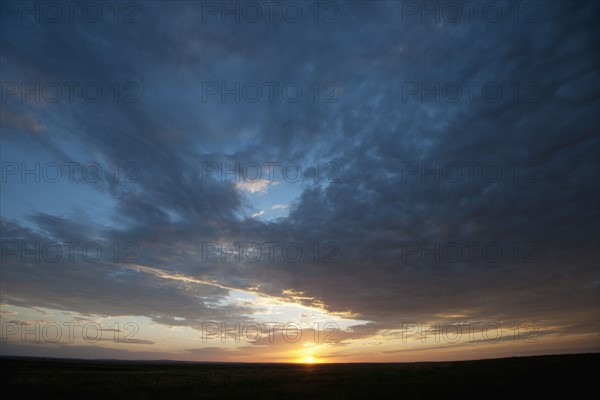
point(371, 134)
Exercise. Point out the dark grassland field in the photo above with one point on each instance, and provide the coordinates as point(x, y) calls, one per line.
point(521, 377)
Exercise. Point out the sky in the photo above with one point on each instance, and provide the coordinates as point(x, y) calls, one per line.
point(299, 181)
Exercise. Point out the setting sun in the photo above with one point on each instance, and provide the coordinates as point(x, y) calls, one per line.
point(309, 360)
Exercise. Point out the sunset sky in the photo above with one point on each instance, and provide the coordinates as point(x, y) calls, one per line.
point(301, 182)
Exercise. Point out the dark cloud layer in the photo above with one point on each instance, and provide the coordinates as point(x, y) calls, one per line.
point(372, 134)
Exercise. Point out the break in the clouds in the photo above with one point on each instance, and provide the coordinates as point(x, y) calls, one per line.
point(385, 169)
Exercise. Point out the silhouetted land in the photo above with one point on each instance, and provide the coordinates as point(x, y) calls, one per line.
point(544, 376)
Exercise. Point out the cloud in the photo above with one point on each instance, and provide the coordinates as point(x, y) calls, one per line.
point(260, 186)
point(373, 135)
point(27, 122)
